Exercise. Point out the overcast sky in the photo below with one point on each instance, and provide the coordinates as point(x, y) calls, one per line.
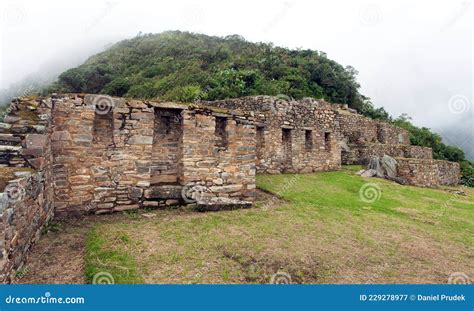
point(412, 56)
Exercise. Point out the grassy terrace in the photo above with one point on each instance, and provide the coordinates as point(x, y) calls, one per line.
point(321, 231)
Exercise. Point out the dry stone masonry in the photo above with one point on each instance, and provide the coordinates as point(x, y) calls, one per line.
point(292, 136)
point(74, 154)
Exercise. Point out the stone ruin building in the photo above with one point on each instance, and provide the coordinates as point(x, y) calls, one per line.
point(75, 154)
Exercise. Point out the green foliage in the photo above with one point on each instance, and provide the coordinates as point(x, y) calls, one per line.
point(185, 66)
point(467, 171)
point(368, 109)
point(118, 87)
point(187, 93)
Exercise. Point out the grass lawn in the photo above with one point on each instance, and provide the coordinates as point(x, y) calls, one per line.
point(321, 231)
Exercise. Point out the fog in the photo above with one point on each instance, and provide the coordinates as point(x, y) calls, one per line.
point(413, 57)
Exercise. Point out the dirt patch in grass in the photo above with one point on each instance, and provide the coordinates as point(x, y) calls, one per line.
point(59, 255)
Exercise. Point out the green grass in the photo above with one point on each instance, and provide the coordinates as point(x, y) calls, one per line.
point(102, 256)
point(322, 232)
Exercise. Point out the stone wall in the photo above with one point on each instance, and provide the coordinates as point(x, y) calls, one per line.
point(449, 173)
point(26, 208)
point(357, 129)
point(223, 164)
point(131, 154)
point(391, 135)
point(360, 130)
point(26, 204)
point(361, 154)
point(293, 136)
point(428, 172)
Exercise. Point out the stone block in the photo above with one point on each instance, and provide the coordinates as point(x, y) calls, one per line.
point(140, 140)
point(79, 179)
point(135, 192)
point(120, 208)
point(163, 192)
point(61, 136)
point(35, 140)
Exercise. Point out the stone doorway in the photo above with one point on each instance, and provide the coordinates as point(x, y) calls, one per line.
point(287, 150)
point(167, 146)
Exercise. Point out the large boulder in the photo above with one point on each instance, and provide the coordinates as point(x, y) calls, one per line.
point(389, 165)
point(383, 167)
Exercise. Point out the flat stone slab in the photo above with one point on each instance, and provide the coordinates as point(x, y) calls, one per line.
point(9, 148)
point(220, 204)
point(163, 192)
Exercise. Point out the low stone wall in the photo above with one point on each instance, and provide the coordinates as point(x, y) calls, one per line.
point(418, 152)
point(360, 130)
point(361, 154)
point(357, 129)
point(391, 135)
point(449, 173)
point(428, 172)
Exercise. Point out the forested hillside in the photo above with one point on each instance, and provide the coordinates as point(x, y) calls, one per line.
point(185, 66)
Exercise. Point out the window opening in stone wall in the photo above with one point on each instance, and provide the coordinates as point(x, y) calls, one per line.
point(400, 139)
point(287, 148)
point(221, 132)
point(260, 141)
point(380, 134)
point(308, 140)
point(327, 141)
point(103, 128)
